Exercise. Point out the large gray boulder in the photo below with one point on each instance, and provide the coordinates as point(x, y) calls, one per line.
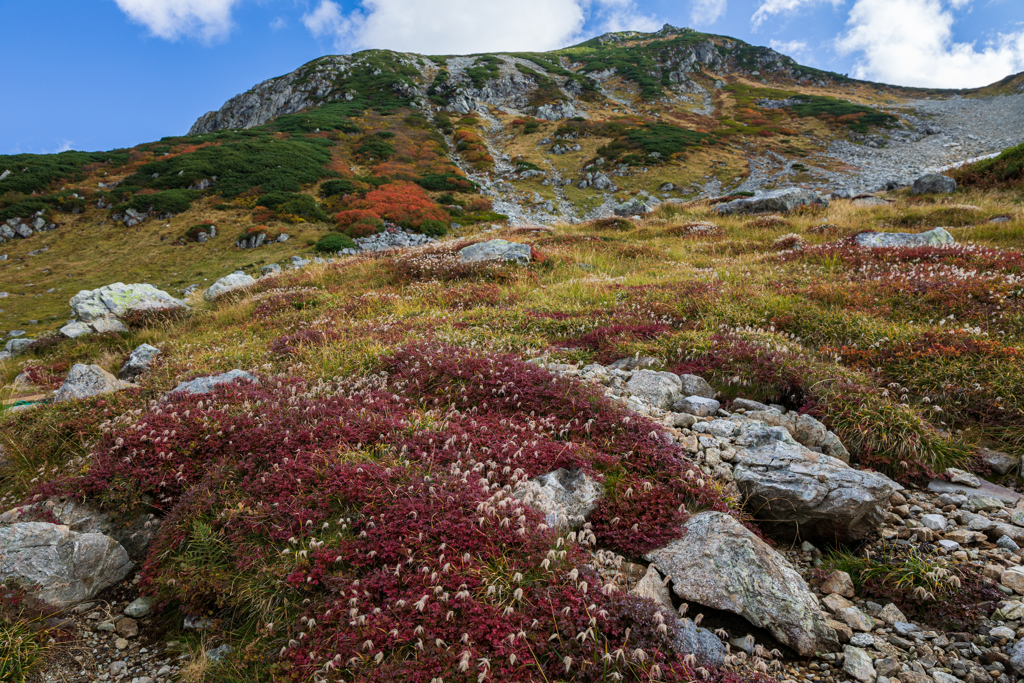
point(805, 430)
point(204, 385)
point(66, 567)
point(564, 497)
point(228, 283)
point(701, 643)
point(659, 389)
point(1017, 657)
point(496, 250)
point(933, 238)
point(100, 310)
point(773, 201)
point(140, 360)
point(718, 563)
point(16, 347)
point(133, 531)
point(793, 489)
point(933, 183)
point(85, 381)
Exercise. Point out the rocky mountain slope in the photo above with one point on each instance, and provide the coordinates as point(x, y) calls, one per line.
point(458, 373)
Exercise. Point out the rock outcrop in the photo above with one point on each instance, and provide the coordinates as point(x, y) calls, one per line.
point(228, 283)
point(496, 250)
point(564, 497)
point(138, 363)
point(933, 183)
point(204, 385)
point(792, 488)
point(932, 238)
point(101, 310)
point(86, 381)
point(64, 566)
point(773, 201)
point(719, 564)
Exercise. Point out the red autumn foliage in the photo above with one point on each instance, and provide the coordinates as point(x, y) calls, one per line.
point(404, 204)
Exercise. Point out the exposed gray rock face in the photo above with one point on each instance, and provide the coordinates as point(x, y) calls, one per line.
point(1001, 463)
point(204, 385)
point(565, 497)
point(720, 564)
point(858, 664)
point(67, 567)
point(100, 310)
point(819, 497)
point(270, 269)
point(700, 642)
point(85, 381)
point(933, 183)
point(1017, 657)
point(16, 347)
point(653, 587)
point(303, 88)
point(773, 201)
point(697, 405)
point(635, 207)
point(932, 238)
point(660, 389)
point(140, 360)
point(134, 532)
point(805, 430)
point(496, 250)
point(228, 283)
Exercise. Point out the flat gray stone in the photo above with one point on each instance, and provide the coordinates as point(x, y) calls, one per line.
point(697, 405)
point(496, 250)
point(660, 389)
point(85, 381)
point(228, 283)
point(988, 488)
point(932, 238)
point(140, 360)
point(565, 497)
point(204, 385)
point(773, 201)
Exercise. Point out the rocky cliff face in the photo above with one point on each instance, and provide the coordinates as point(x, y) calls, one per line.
point(547, 86)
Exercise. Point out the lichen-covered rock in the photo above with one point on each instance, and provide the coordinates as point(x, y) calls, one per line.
point(792, 488)
point(496, 250)
point(697, 405)
point(66, 567)
point(720, 564)
point(204, 385)
point(228, 283)
point(85, 381)
point(933, 238)
point(120, 299)
point(805, 430)
point(773, 201)
point(565, 497)
point(653, 587)
point(140, 360)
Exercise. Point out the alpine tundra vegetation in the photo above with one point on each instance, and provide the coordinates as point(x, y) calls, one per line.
point(656, 358)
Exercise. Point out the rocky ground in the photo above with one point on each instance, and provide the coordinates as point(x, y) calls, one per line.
point(962, 522)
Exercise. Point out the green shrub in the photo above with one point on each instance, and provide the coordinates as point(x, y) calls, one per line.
point(339, 186)
point(291, 205)
point(334, 242)
point(37, 172)
point(1004, 171)
point(433, 228)
point(257, 160)
point(325, 118)
point(376, 148)
point(171, 201)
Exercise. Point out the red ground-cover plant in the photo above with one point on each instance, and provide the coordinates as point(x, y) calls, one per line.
point(381, 515)
point(48, 376)
point(606, 341)
point(290, 344)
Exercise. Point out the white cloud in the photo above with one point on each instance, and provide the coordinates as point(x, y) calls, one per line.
point(279, 23)
point(707, 12)
point(469, 26)
point(172, 19)
point(790, 48)
point(910, 42)
point(772, 7)
point(65, 146)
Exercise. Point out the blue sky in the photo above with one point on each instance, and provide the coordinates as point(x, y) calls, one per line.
point(101, 74)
